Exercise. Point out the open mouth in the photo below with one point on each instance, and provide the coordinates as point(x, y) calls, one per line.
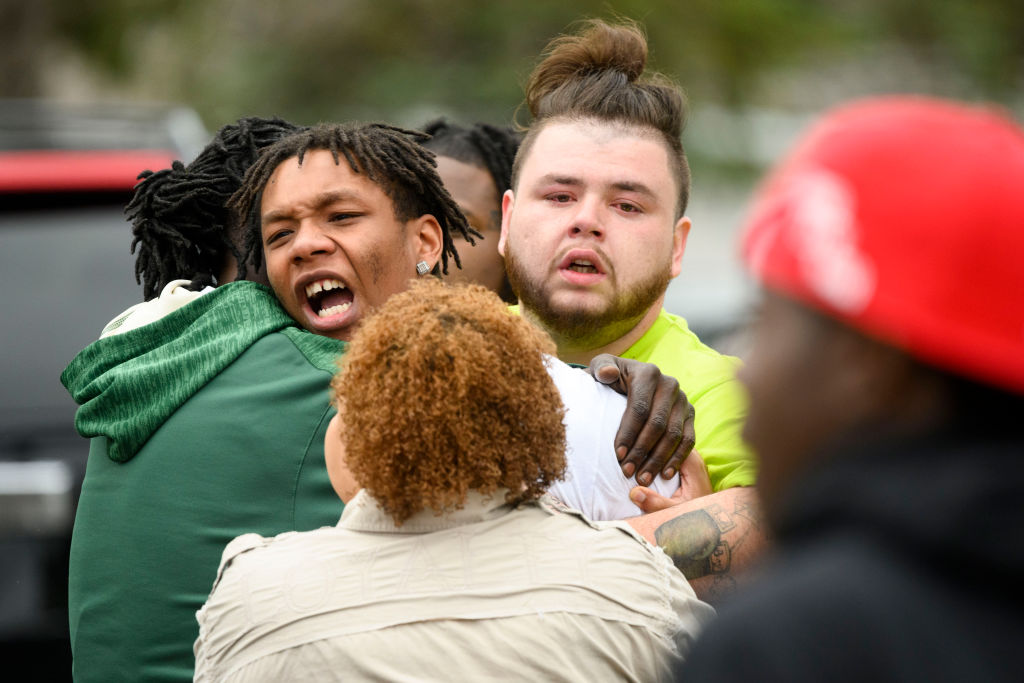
point(328, 297)
point(582, 266)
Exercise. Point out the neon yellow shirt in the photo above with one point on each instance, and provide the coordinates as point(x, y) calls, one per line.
point(709, 380)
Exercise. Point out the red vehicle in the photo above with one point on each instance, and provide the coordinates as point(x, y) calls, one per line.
point(66, 174)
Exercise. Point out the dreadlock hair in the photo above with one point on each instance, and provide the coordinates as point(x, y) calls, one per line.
point(598, 75)
point(180, 220)
point(389, 156)
point(491, 148)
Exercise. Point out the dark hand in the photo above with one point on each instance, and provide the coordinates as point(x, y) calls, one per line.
point(694, 483)
point(656, 433)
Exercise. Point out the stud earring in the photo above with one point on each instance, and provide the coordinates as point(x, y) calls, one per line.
point(422, 268)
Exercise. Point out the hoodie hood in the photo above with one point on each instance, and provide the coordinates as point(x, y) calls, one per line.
point(129, 384)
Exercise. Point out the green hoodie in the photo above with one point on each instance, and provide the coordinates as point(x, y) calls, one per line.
point(205, 424)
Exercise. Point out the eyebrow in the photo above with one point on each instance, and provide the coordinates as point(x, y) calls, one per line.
point(623, 185)
point(558, 180)
point(319, 202)
point(628, 186)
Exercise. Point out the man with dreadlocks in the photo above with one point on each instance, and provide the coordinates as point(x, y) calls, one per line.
point(172, 474)
point(475, 164)
point(343, 216)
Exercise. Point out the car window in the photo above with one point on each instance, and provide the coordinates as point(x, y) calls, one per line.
point(64, 273)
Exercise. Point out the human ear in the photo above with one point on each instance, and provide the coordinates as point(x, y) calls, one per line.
point(508, 200)
point(680, 233)
point(428, 239)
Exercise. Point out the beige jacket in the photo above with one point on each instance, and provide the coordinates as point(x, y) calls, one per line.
point(489, 592)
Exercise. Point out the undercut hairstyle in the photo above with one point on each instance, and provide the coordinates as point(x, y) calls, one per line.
point(389, 156)
point(181, 224)
point(443, 390)
point(598, 74)
point(491, 148)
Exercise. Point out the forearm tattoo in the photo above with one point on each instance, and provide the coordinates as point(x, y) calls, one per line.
point(700, 542)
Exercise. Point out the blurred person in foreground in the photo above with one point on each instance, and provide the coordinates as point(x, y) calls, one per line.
point(207, 406)
point(887, 387)
point(448, 563)
point(593, 230)
point(475, 164)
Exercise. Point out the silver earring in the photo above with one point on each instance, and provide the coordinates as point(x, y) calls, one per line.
point(422, 268)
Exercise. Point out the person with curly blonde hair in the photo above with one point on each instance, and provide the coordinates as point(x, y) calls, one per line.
point(451, 425)
point(450, 560)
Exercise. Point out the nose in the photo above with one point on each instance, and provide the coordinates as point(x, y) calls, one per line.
point(310, 240)
point(586, 220)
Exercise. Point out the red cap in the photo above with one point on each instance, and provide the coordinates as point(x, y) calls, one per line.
point(904, 217)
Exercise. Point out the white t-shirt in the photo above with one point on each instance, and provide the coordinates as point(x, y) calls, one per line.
point(594, 483)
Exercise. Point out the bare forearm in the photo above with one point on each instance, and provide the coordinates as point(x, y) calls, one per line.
point(711, 539)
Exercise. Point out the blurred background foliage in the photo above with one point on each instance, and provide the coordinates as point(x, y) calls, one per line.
point(399, 59)
point(753, 69)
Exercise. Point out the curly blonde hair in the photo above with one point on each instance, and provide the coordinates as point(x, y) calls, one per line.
point(444, 390)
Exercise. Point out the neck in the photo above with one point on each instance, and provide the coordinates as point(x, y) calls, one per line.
point(614, 339)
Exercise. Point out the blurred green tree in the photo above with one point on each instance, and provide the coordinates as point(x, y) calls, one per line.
point(407, 60)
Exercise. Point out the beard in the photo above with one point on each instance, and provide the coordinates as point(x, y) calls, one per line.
point(586, 327)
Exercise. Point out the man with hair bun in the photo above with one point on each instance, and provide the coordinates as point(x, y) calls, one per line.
point(593, 230)
point(448, 564)
point(886, 383)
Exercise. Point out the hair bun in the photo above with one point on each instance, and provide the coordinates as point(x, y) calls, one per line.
point(600, 49)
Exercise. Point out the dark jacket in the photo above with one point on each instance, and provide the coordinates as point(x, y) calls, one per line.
point(898, 562)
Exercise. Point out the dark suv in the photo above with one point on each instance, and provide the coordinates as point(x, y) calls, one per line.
point(66, 173)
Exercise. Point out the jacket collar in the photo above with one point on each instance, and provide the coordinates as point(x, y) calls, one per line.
point(363, 513)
